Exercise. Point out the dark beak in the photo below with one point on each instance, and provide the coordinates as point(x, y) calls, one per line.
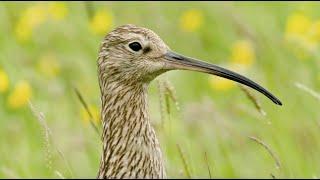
point(178, 61)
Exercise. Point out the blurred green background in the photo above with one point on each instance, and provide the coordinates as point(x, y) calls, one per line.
point(48, 48)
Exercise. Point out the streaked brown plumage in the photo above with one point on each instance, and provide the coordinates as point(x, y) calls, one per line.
point(130, 58)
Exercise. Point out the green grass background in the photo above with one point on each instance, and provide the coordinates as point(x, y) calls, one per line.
point(216, 122)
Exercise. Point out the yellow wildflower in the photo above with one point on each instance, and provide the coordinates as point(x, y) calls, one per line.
point(48, 65)
point(303, 35)
point(95, 113)
point(4, 81)
point(35, 15)
point(220, 84)
point(191, 20)
point(101, 22)
point(242, 52)
point(297, 25)
point(30, 18)
point(23, 31)
point(20, 95)
point(58, 10)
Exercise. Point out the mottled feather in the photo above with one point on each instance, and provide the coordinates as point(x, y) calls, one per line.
point(130, 146)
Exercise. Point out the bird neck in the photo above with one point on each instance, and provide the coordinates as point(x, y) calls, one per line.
point(130, 146)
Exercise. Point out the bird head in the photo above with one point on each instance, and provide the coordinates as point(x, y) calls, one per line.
point(137, 55)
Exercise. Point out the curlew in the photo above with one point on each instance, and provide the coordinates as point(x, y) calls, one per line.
point(130, 57)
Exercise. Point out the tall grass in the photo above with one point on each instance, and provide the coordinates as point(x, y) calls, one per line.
point(193, 114)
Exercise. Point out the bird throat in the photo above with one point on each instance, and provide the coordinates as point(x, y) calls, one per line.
point(130, 146)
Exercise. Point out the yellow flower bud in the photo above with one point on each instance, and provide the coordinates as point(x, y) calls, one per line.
point(191, 20)
point(20, 95)
point(49, 66)
point(297, 25)
point(242, 52)
point(58, 10)
point(101, 22)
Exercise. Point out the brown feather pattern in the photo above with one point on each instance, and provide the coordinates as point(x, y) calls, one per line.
point(130, 146)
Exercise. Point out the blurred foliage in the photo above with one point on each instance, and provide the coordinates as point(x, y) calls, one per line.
point(48, 48)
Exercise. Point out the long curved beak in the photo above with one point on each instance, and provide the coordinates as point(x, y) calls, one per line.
point(178, 61)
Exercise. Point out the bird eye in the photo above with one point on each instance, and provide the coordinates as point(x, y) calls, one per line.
point(135, 46)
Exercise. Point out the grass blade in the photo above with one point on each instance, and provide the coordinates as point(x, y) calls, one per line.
point(171, 92)
point(260, 142)
point(308, 90)
point(185, 165)
point(59, 175)
point(207, 163)
point(89, 9)
point(253, 99)
point(80, 97)
point(48, 138)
